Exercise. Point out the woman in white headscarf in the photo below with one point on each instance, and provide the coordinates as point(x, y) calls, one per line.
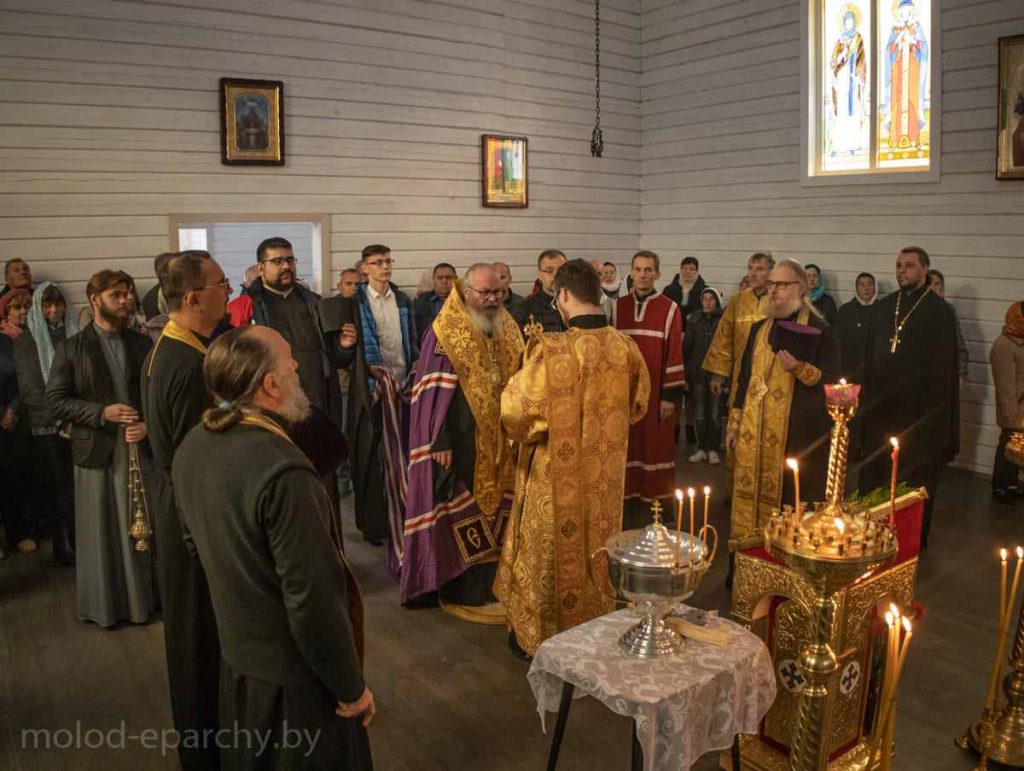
point(50, 476)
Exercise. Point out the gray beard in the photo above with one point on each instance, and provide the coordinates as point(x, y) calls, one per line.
point(485, 324)
point(786, 312)
point(297, 408)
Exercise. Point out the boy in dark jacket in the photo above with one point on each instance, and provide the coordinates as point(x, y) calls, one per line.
point(700, 330)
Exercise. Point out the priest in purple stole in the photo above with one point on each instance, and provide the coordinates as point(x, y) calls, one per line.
point(460, 463)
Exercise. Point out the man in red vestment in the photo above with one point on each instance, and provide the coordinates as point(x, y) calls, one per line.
point(654, 323)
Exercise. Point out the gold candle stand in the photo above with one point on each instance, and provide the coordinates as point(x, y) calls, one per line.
point(999, 735)
point(832, 548)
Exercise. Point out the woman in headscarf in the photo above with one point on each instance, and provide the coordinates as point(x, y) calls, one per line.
point(14, 436)
point(820, 299)
point(700, 330)
point(1007, 360)
point(50, 473)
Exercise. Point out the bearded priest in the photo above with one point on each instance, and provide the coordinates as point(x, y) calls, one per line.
point(779, 409)
point(460, 462)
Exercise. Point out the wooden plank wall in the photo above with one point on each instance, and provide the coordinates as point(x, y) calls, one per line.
point(109, 124)
point(720, 92)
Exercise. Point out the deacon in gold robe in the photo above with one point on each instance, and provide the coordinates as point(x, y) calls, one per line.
point(779, 409)
point(460, 463)
point(569, 408)
point(746, 307)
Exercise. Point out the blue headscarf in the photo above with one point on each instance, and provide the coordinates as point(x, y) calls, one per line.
point(40, 327)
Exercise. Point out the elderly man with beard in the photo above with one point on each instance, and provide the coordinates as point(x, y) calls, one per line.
point(460, 465)
point(94, 384)
point(286, 606)
point(779, 408)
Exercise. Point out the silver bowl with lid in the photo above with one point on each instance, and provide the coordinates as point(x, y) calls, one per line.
point(654, 570)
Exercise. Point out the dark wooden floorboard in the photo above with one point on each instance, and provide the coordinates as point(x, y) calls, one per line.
point(450, 695)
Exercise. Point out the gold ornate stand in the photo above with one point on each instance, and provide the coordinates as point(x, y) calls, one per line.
point(831, 580)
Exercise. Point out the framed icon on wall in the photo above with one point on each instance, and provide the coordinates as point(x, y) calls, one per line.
point(252, 122)
point(1010, 162)
point(504, 172)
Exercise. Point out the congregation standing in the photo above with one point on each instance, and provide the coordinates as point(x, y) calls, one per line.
point(491, 442)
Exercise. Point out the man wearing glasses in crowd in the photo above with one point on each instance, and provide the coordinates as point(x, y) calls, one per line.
point(388, 340)
point(283, 304)
point(539, 307)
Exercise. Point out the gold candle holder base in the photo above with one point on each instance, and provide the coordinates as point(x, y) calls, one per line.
point(1000, 737)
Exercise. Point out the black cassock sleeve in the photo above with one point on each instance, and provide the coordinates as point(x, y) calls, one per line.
point(743, 379)
point(313, 581)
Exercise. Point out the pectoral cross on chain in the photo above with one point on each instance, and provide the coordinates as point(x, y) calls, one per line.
point(894, 343)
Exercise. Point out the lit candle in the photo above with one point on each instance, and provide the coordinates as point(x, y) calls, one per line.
point(791, 462)
point(1003, 554)
point(895, 457)
point(679, 527)
point(841, 527)
point(888, 716)
point(704, 531)
point(1004, 623)
point(690, 493)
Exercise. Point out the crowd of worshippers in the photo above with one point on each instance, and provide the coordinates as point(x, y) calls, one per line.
point(490, 442)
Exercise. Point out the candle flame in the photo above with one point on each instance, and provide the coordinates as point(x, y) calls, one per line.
point(894, 610)
point(1003, 554)
point(707, 490)
point(842, 381)
point(791, 462)
point(894, 442)
point(690, 492)
point(840, 525)
point(679, 494)
point(1020, 552)
point(889, 620)
point(906, 624)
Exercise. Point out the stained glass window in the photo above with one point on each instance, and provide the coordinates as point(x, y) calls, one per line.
point(872, 84)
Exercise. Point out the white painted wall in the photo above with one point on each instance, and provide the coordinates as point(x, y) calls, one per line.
point(720, 92)
point(109, 125)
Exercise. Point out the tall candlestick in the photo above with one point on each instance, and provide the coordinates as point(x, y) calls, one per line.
point(888, 713)
point(690, 493)
point(895, 457)
point(1004, 619)
point(679, 527)
point(791, 462)
point(704, 530)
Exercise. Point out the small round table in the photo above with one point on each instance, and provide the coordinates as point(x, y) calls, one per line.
point(684, 705)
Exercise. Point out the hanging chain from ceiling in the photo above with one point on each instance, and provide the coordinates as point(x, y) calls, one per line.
point(596, 137)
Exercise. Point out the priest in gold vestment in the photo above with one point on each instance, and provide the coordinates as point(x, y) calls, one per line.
point(744, 309)
point(779, 409)
point(569, 409)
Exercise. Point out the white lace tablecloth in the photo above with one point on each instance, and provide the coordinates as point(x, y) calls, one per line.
point(684, 705)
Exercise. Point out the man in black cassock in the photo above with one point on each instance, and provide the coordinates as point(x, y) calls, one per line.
point(256, 512)
point(280, 302)
point(912, 388)
point(173, 400)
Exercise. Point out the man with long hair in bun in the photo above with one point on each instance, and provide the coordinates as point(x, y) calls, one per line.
point(287, 609)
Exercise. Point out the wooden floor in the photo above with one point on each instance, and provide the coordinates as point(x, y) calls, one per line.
point(450, 695)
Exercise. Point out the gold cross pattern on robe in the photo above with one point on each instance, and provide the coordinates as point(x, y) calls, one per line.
point(757, 388)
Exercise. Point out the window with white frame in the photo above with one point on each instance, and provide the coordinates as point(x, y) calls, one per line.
point(870, 73)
